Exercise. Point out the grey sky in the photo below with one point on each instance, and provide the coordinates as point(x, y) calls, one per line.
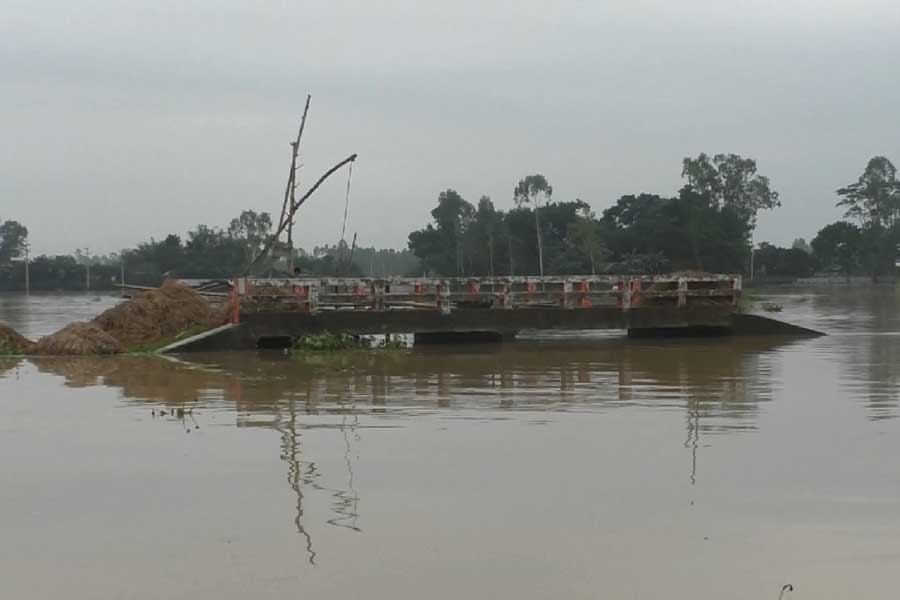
point(125, 120)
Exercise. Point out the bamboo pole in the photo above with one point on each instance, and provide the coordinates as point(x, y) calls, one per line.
point(293, 210)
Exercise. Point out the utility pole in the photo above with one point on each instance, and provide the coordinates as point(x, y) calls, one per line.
point(122, 275)
point(540, 238)
point(87, 281)
point(27, 247)
point(751, 256)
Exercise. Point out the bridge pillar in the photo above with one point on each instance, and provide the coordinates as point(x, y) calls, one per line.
point(463, 337)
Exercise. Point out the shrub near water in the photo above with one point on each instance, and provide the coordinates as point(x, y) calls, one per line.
point(336, 342)
point(331, 342)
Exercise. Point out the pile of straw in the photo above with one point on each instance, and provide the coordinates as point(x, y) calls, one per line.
point(13, 343)
point(79, 339)
point(155, 315)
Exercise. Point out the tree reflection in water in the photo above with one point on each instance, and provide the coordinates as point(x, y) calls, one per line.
point(719, 383)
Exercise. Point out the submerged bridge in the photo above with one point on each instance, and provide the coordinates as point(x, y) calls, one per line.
point(269, 313)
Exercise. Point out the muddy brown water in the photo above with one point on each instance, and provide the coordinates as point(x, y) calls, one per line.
point(586, 466)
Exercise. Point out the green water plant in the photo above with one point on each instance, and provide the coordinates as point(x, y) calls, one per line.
point(331, 342)
point(341, 342)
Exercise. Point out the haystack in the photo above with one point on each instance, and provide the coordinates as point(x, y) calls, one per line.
point(79, 339)
point(13, 343)
point(155, 315)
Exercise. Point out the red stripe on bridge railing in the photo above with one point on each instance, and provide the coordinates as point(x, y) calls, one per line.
point(498, 293)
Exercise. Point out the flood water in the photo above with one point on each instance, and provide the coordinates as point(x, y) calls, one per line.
point(587, 466)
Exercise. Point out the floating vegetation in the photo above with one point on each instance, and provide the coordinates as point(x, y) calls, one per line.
point(389, 343)
point(332, 342)
point(338, 342)
point(771, 307)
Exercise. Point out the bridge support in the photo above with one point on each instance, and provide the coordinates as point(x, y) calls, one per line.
point(463, 337)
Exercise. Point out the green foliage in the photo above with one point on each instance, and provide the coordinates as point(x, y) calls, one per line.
point(729, 181)
point(587, 236)
point(687, 231)
point(801, 244)
point(54, 273)
point(13, 237)
point(331, 342)
point(531, 190)
point(392, 344)
point(839, 247)
point(482, 241)
point(772, 261)
point(874, 200)
point(380, 262)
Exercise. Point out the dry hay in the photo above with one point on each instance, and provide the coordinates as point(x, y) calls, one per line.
point(155, 315)
point(13, 343)
point(79, 339)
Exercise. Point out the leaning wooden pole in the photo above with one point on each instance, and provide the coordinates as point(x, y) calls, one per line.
point(349, 265)
point(291, 186)
point(293, 210)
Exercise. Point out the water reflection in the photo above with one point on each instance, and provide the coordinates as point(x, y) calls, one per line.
point(867, 323)
point(718, 384)
point(544, 464)
point(9, 364)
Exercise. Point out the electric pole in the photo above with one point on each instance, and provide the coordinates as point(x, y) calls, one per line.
point(27, 247)
point(87, 280)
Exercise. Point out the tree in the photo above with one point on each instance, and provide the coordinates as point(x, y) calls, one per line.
point(730, 182)
point(839, 246)
point(441, 248)
point(874, 199)
point(800, 244)
point(773, 261)
point(686, 230)
point(585, 233)
point(211, 252)
point(484, 233)
point(13, 236)
point(531, 190)
point(253, 229)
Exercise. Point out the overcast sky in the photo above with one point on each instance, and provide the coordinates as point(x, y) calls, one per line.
point(123, 121)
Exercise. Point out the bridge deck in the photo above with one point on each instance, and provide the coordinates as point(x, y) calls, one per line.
point(286, 309)
point(446, 295)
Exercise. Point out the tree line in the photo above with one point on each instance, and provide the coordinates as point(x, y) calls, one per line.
point(205, 252)
point(707, 226)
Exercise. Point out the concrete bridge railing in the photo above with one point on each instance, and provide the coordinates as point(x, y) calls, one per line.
point(445, 295)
